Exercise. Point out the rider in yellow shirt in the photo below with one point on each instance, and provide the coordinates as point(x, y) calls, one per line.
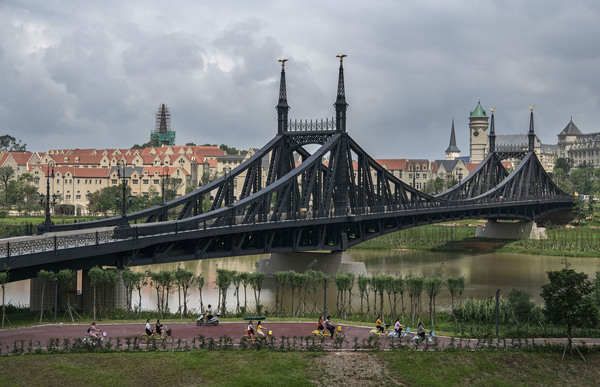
point(259, 329)
point(379, 324)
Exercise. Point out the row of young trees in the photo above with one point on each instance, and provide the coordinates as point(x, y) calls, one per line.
point(379, 294)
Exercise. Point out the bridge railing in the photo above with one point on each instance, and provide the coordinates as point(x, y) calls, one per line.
point(32, 245)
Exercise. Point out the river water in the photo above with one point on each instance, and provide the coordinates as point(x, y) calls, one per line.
point(484, 275)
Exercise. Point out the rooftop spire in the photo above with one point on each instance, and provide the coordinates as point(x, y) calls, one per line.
point(492, 135)
point(282, 107)
point(531, 134)
point(452, 147)
point(340, 103)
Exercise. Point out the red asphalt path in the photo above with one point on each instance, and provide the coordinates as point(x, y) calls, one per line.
point(188, 330)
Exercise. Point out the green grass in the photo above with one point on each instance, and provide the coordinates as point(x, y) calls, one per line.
point(159, 368)
point(264, 368)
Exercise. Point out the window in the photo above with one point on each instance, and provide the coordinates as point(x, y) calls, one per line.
point(68, 197)
point(134, 181)
point(57, 181)
point(145, 181)
point(78, 197)
point(114, 181)
point(155, 181)
point(36, 180)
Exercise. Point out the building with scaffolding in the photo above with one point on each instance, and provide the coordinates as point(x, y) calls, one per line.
point(162, 134)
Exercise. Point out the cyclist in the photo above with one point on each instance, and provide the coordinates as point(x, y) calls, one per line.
point(379, 324)
point(320, 325)
point(250, 330)
point(329, 325)
point(259, 329)
point(148, 328)
point(93, 331)
point(421, 330)
point(398, 327)
point(159, 328)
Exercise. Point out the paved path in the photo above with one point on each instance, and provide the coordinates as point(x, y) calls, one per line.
point(188, 330)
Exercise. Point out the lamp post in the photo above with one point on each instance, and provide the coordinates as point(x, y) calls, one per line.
point(47, 225)
point(165, 175)
point(124, 223)
point(497, 310)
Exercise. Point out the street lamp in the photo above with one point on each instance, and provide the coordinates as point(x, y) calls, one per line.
point(165, 175)
point(497, 310)
point(124, 223)
point(47, 225)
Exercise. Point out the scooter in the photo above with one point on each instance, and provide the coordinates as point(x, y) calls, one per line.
point(213, 321)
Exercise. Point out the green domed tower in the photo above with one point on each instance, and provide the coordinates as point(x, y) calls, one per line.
point(478, 125)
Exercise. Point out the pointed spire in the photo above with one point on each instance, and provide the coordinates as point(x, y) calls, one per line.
point(492, 135)
point(531, 134)
point(340, 103)
point(282, 107)
point(452, 147)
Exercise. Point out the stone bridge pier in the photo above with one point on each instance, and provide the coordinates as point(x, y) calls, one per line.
point(79, 298)
point(511, 230)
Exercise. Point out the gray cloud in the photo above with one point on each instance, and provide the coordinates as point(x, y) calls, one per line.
point(93, 74)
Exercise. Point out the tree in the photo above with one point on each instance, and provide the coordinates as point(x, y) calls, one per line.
point(565, 164)
point(434, 186)
point(456, 285)
point(139, 281)
point(96, 275)
point(10, 144)
point(224, 279)
point(520, 304)
point(129, 283)
point(256, 282)
point(7, 173)
point(184, 279)
point(45, 277)
point(433, 285)
point(363, 285)
point(568, 300)
point(4, 277)
point(66, 278)
point(199, 281)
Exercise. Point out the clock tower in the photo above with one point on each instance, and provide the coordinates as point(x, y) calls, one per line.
point(478, 126)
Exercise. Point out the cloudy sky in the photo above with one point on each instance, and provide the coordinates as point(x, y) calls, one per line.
point(82, 74)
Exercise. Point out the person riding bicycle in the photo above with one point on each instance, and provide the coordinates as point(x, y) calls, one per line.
point(93, 330)
point(320, 325)
point(159, 328)
point(148, 328)
point(421, 330)
point(379, 324)
point(259, 329)
point(329, 325)
point(398, 326)
point(250, 330)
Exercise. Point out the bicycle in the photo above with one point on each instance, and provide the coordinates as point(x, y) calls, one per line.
point(166, 336)
point(325, 332)
point(385, 332)
point(255, 337)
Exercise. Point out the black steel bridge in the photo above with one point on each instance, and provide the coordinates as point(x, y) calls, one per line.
point(292, 200)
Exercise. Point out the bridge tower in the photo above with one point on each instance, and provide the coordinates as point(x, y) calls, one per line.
point(492, 135)
point(341, 181)
point(531, 134)
point(478, 125)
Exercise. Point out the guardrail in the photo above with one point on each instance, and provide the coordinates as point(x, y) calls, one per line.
point(41, 244)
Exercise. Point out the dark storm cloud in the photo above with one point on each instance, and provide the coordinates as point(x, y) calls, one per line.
point(93, 74)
